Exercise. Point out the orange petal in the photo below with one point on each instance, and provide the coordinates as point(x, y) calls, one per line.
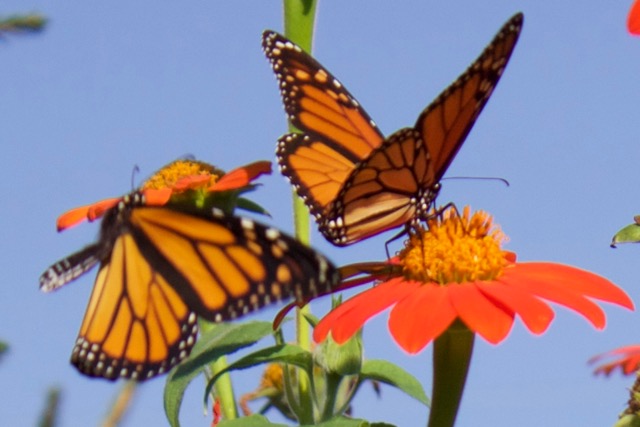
point(87, 212)
point(480, 314)
point(633, 20)
point(421, 317)
point(555, 292)
point(72, 217)
point(580, 281)
point(242, 176)
point(346, 319)
point(535, 314)
point(98, 209)
point(190, 182)
point(157, 197)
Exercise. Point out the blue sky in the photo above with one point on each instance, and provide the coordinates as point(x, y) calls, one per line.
point(110, 86)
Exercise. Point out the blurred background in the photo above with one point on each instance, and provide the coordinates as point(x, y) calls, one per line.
point(107, 87)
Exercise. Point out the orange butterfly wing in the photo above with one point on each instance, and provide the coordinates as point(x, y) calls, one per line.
point(136, 325)
point(353, 193)
point(339, 133)
point(446, 122)
point(398, 183)
point(162, 267)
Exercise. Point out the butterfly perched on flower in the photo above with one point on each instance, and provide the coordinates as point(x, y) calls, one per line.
point(170, 254)
point(356, 182)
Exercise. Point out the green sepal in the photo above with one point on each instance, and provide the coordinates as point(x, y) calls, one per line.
point(341, 359)
point(251, 206)
point(628, 420)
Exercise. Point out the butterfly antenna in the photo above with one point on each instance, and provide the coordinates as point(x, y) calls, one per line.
point(134, 172)
point(481, 178)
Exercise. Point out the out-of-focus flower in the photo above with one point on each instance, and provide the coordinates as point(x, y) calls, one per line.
point(633, 19)
point(627, 359)
point(171, 183)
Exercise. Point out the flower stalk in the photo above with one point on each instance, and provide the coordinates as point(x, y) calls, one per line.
point(452, 353)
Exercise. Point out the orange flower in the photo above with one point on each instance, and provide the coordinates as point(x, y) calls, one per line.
point(457, 270)
point(174, 179)
point(628, 360)
point(633, 20)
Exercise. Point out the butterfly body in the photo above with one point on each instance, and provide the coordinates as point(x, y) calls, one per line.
point(161, 268)
point(356, 182)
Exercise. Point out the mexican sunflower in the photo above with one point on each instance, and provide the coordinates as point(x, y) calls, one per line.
point(633, 19)
point(455, 269)
point(627, 359)
point(169, 183)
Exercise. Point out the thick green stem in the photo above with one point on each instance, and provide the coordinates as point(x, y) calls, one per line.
point(451, 359)
point(299, 17)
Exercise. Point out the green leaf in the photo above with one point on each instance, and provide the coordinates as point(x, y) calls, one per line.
point(224, 339)
point(250, 421)
point(628, 234)
point(284, 353)
point(388, 373)
point(350, 422)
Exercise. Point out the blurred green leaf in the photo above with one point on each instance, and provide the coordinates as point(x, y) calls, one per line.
point(284, 353)
point(388, 373)
point(222, 340)
point(31, 23)
point(250, 421)
point(51, 409)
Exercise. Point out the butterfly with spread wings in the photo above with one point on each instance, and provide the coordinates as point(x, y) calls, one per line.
point(161, 267)
point(356, 182)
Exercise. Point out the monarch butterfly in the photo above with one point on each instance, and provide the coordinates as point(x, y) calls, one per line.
point(161, 267)
point(356, 182)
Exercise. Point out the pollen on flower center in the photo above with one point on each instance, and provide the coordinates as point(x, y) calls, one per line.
point(173, 172)
point(455, 249)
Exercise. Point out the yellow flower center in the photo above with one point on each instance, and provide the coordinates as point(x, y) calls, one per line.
point(272, 377)
point(455, 249)
point(173, 172)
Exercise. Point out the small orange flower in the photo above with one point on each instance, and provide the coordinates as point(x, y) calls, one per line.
point(170, 181)
point(626, 358)
point(633, 19)
point(457, 270)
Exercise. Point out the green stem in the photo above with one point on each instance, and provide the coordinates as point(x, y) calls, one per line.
point(332, 386)
point(451, 359)
point(223, 386)
point(299, 18)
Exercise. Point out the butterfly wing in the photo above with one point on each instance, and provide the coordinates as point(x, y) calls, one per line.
point(70, 268)
point(224, 266)
point(136, 325)
point(383, 193)
point(161, 267)
point(337, 128)
point(398, 182)
point(446, 122)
